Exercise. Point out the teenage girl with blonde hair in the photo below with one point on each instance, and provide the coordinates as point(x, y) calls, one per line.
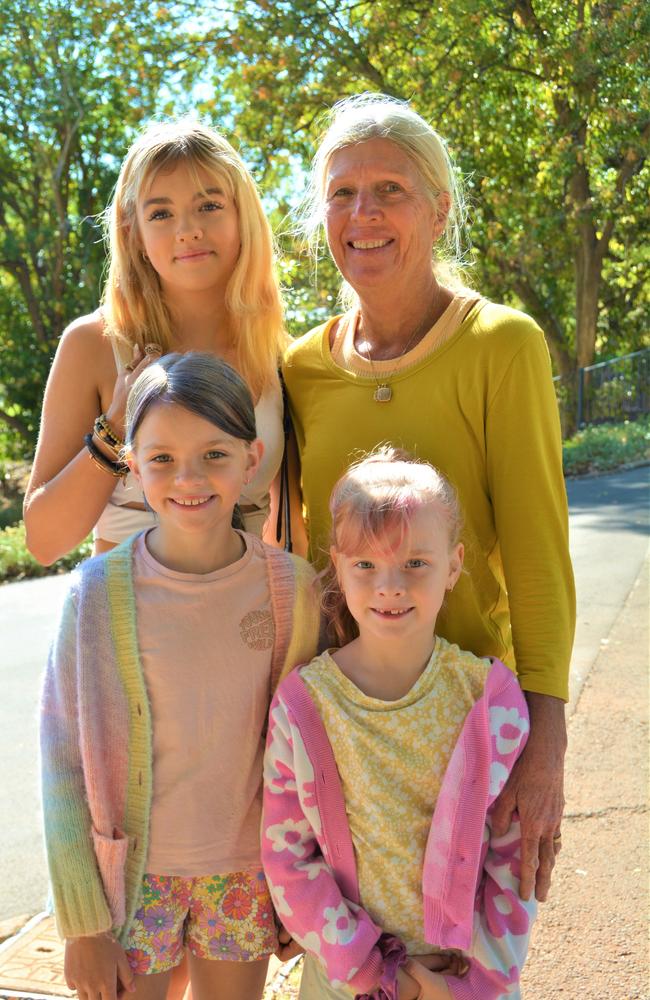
point(154, 706)
point(384, 759)
point(191, 267)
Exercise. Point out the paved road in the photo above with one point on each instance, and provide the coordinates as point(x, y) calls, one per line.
point(609, 538)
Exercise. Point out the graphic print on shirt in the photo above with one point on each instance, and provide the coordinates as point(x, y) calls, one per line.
point(257, 629)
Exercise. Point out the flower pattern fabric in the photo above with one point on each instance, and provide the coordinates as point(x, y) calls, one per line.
point(216, 916)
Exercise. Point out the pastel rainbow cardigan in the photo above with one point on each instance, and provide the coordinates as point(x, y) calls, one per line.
point(96, 737)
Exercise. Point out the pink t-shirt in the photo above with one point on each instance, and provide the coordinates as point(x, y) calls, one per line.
point(206, 642)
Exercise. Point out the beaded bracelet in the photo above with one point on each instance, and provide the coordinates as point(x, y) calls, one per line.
point(104, 432)
point(114, 452)
point(117, 469)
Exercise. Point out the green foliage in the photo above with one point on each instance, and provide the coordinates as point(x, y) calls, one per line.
point(607, 446)
point(76, 80)
point(16, 563)
point(544, 105)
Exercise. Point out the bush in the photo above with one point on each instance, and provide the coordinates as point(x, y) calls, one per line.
point(17, 563)
point(607, 446)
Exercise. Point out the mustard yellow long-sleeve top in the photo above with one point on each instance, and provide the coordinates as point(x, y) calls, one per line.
point(482, 409)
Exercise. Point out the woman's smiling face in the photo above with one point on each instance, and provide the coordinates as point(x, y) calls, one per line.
point(380, 223)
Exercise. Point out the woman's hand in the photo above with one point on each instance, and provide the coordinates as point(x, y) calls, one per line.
point(535, 790)
point(287, 947)
point(125, 379)
point(97, 968)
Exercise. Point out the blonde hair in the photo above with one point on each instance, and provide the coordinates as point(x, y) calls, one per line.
point(133, 304)
point(376, 116)
point(372, 502)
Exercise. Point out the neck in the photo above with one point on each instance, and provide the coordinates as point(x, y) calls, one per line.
point(195, 553)
point(201, 322)
point(384, 670)
point(389, 324)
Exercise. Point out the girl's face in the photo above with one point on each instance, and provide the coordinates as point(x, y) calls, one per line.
point(192, 473)
point(190, 236)
point(397, 592)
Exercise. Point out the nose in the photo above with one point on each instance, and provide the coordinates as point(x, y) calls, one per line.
point(391, 583)
point(188, 472)
point(188, 229)
point(366, 205)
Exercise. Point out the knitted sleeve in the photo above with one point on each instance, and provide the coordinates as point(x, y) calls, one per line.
point(306, 895)
point(80, 904)
point(502, 921)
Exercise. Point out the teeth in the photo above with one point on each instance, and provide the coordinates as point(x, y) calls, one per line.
point(395, 613)
point(369, 244)
point(191, 503)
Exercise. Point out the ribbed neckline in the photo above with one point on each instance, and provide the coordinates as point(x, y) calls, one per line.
point(143, 553)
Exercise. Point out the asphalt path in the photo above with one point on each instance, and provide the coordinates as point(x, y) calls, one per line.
point(610, 521)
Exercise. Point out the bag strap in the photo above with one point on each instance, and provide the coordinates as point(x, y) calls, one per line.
point(284, 506)
point(282, 588)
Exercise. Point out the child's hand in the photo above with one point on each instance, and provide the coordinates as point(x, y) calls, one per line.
point(431, 985)
point(97, 968)
point(451, 962)
point(287, 947)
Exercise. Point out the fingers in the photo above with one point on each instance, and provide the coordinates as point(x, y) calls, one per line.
point(125, 972)
point(502, 812)
point(548, 849)
point(142, 358)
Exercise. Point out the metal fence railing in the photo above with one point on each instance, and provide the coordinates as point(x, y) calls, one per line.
point(613, 390)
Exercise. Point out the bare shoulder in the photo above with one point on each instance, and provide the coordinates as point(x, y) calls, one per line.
point(86, 334)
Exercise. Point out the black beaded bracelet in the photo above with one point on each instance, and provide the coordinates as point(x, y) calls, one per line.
point(117, 469)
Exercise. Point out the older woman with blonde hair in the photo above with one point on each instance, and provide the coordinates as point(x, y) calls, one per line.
point(421, 361)
point(191, 267)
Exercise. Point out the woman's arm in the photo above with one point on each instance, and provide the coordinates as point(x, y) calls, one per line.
point(67, 491)
point(528, 493)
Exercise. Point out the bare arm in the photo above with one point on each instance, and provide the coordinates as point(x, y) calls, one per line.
point(536, 790)
point(67, 491)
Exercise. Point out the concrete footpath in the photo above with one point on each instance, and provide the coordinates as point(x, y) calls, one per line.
point(591, 937)
point(590, 940)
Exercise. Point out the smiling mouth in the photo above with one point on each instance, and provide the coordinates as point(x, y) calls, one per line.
point(191, 501)
point(392, 612)
point(368, 244)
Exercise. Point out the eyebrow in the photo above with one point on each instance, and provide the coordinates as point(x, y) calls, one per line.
point(155, 446)
point(170, 201)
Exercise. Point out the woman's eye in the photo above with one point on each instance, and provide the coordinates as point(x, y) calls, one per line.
point(342, 192)
point(363, 564)
point(160, 213)
point(392, 188)
point(211, 206)
point(159, 459)
point(415, 563)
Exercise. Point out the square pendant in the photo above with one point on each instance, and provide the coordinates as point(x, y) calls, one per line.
point(383, 394)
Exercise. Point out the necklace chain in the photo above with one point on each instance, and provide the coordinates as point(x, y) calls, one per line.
point(384, 393)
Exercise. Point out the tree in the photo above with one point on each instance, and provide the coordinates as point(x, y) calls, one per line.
point(545, 105)
point(76, 81)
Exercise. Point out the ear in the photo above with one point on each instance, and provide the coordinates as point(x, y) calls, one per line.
point(253, 459)
point(441, 211)
point(131, 461)
point(455, 565)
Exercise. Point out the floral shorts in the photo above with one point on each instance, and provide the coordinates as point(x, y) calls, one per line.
point(215, 916)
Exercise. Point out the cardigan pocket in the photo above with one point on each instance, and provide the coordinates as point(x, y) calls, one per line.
point(111, 855)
